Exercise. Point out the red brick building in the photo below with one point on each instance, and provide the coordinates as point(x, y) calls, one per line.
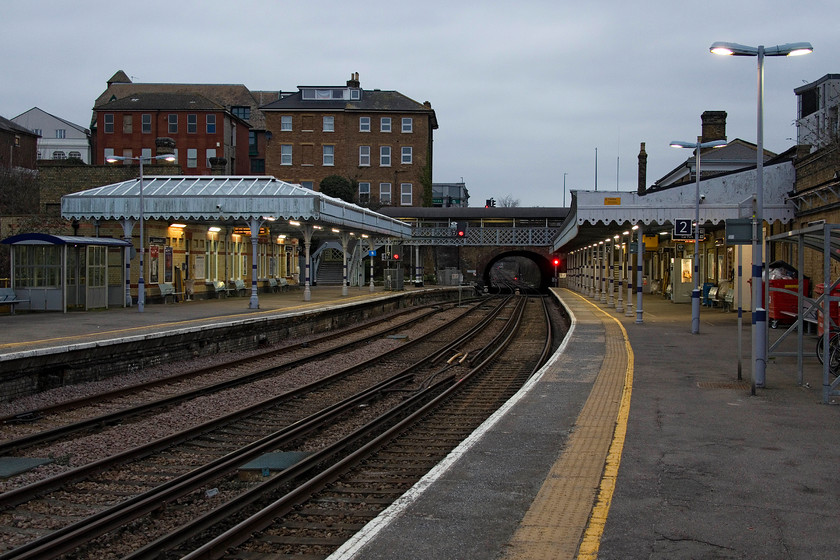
point(239, 134)
point(201, 130)
point(18, 146)
point(381, 139)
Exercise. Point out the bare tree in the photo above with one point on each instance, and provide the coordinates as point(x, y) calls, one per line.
point(508, 201)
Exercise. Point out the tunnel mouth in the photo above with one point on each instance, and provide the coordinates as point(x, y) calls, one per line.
point(518, 271)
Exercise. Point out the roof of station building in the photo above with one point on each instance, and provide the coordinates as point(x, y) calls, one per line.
point(224, 199)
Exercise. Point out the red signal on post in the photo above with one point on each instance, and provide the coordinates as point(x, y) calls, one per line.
point(396, 256)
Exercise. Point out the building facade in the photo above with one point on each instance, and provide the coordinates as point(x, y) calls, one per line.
point(200, 128)
point(58, 138)
point(817, 105)
point(18, 146)
point(236, 100)
point(382, 140)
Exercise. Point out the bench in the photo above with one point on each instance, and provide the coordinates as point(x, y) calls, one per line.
point(8, 297)
point(167, 289)
point(238, 286)
point(712, 299)
point(217, 288)
point(275, 284)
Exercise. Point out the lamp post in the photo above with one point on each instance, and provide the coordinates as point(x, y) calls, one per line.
point(695, 293)
point(564, 189)
point(141, 286)
point(759, 317)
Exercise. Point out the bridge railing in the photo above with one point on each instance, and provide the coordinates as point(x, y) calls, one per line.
point(478, 236)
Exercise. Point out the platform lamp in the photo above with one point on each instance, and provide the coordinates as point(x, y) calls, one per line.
point(141, 286)
point(695, 293)
point(759, 317)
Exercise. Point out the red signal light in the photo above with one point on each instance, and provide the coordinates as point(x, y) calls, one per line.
point(556, 262)
point(396, 257)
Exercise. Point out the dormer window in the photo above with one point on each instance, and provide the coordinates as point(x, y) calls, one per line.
point(329, 94)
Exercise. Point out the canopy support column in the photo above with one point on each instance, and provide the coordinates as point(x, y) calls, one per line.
point(254, 224)
point(128, 227)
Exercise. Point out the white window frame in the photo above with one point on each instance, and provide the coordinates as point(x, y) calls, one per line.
point(328, 157)
point(385, 156)
point(285, 123)
point(192, 123)
point(364, 156)
point(146, 123)
point(407, 155)
point(407, 125)
point(364, 124)
point(210, 122)
point(172, 123)
point(108, 123)
point(209, 153)
point(192, 158)
point(406, 194)
point(364, 192)
point(329, 123)
point(385, 193)
point(286, 152)
point(385, 124)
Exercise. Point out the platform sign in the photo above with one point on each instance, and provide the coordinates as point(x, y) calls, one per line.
point(683, 229)
point(739, 231)
point(371, 253)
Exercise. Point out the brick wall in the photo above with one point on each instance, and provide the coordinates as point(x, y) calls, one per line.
point(55, 180)
point(307, 139)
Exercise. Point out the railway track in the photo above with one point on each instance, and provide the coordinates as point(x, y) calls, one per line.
point(87, 503)
point(317, 518)
point(95, 412)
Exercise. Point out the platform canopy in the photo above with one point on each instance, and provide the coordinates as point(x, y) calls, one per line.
point(595, 215)
point(47, 239)
point(226, 199)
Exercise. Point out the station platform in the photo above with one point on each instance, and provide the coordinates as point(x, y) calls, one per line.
point(635, 441)
point(25, 331)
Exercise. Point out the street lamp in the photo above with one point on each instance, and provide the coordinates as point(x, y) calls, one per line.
point(759, 317)
point(141, 286)
point(695, 294)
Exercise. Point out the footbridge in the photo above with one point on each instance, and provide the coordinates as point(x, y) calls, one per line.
point(492, 247)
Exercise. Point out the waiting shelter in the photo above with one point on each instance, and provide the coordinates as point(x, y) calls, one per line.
point(61, 272)
point(219, 213)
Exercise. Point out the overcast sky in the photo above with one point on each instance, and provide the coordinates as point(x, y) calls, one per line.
point(524, 92)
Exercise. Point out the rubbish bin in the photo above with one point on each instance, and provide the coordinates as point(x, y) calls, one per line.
point(706, 299)
point(834, 308)
point(783, 306)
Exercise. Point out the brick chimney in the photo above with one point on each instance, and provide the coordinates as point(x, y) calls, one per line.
point(714, 125)
point(217, 165)
point(164, 146)
point(354, 80)
point(642, 170)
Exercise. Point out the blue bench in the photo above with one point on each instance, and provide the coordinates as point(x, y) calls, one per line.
point(8, 297)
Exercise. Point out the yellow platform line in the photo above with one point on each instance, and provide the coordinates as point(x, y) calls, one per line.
point(567, 518)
